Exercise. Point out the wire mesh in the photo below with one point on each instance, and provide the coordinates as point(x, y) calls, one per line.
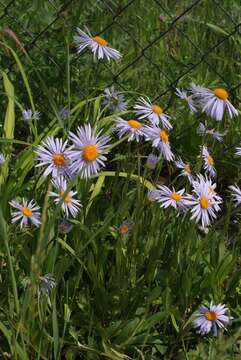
point(150, 34)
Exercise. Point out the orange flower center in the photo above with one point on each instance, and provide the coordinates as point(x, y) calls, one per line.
point(157, 109)
point(90, 152)
point(175, 196)
point(134, 124)
point(58, 159)
point(123, 229)
point(187, 168)
point(204, 202)
point(100, 40)
point(66, 198)
point(210, 315)
point(164, 136)
point(221, 93)
point(210, 160)
point(26, 211)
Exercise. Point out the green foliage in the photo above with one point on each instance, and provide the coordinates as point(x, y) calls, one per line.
point(117, 297)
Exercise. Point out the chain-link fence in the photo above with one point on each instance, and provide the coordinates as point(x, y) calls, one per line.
point(165, 44)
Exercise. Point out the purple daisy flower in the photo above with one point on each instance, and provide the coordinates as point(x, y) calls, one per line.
point(154, 113)
point(212, 318)
point(69, 205)
point(132, 128)
point(87, 151)
point(114, 100)
point(53, 153)
point(98, 46)
point(27, 211)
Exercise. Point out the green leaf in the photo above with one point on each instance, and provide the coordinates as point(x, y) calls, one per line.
point(55, 329)
point(96, 191)
point(174, 323)
point(217, 29)
point(134, 177)
point(22, 71)
point(9, 123)
point(4, 236)
point(13, 344)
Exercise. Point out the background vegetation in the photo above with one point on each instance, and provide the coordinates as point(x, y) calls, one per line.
point(116, 297)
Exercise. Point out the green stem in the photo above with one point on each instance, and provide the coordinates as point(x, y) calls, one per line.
point(68, 74)
point(5, 239)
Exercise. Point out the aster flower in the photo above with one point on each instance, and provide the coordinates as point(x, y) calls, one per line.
point(152, 161)
point(216, 135)
point(125, 228)
point(208, 162)
point(87, 151)
point(2, 159)
point(203, 230)
point(202, 131)
point(114, 100)
point(26, 211)
point(53, 153)
point(133, 128)
point(46, 283)
point(154, 113)
point(160, 140)
point(182, 94)
point(203, 181)
point(65, 227)
point(186, 169)
point(64, 113)
point(30, 115)
point(153, 195)
point(212, 318)
point(204, 203)
point(238, 151)
point(69, 205)
point(170, 197)
point(214, 102)
point(98, 46)
point(196, 90)
point(236, 194)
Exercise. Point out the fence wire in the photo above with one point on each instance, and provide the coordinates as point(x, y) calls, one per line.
point(118, 15)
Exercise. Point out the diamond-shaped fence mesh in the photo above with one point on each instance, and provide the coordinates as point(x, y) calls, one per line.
point(164, 43)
